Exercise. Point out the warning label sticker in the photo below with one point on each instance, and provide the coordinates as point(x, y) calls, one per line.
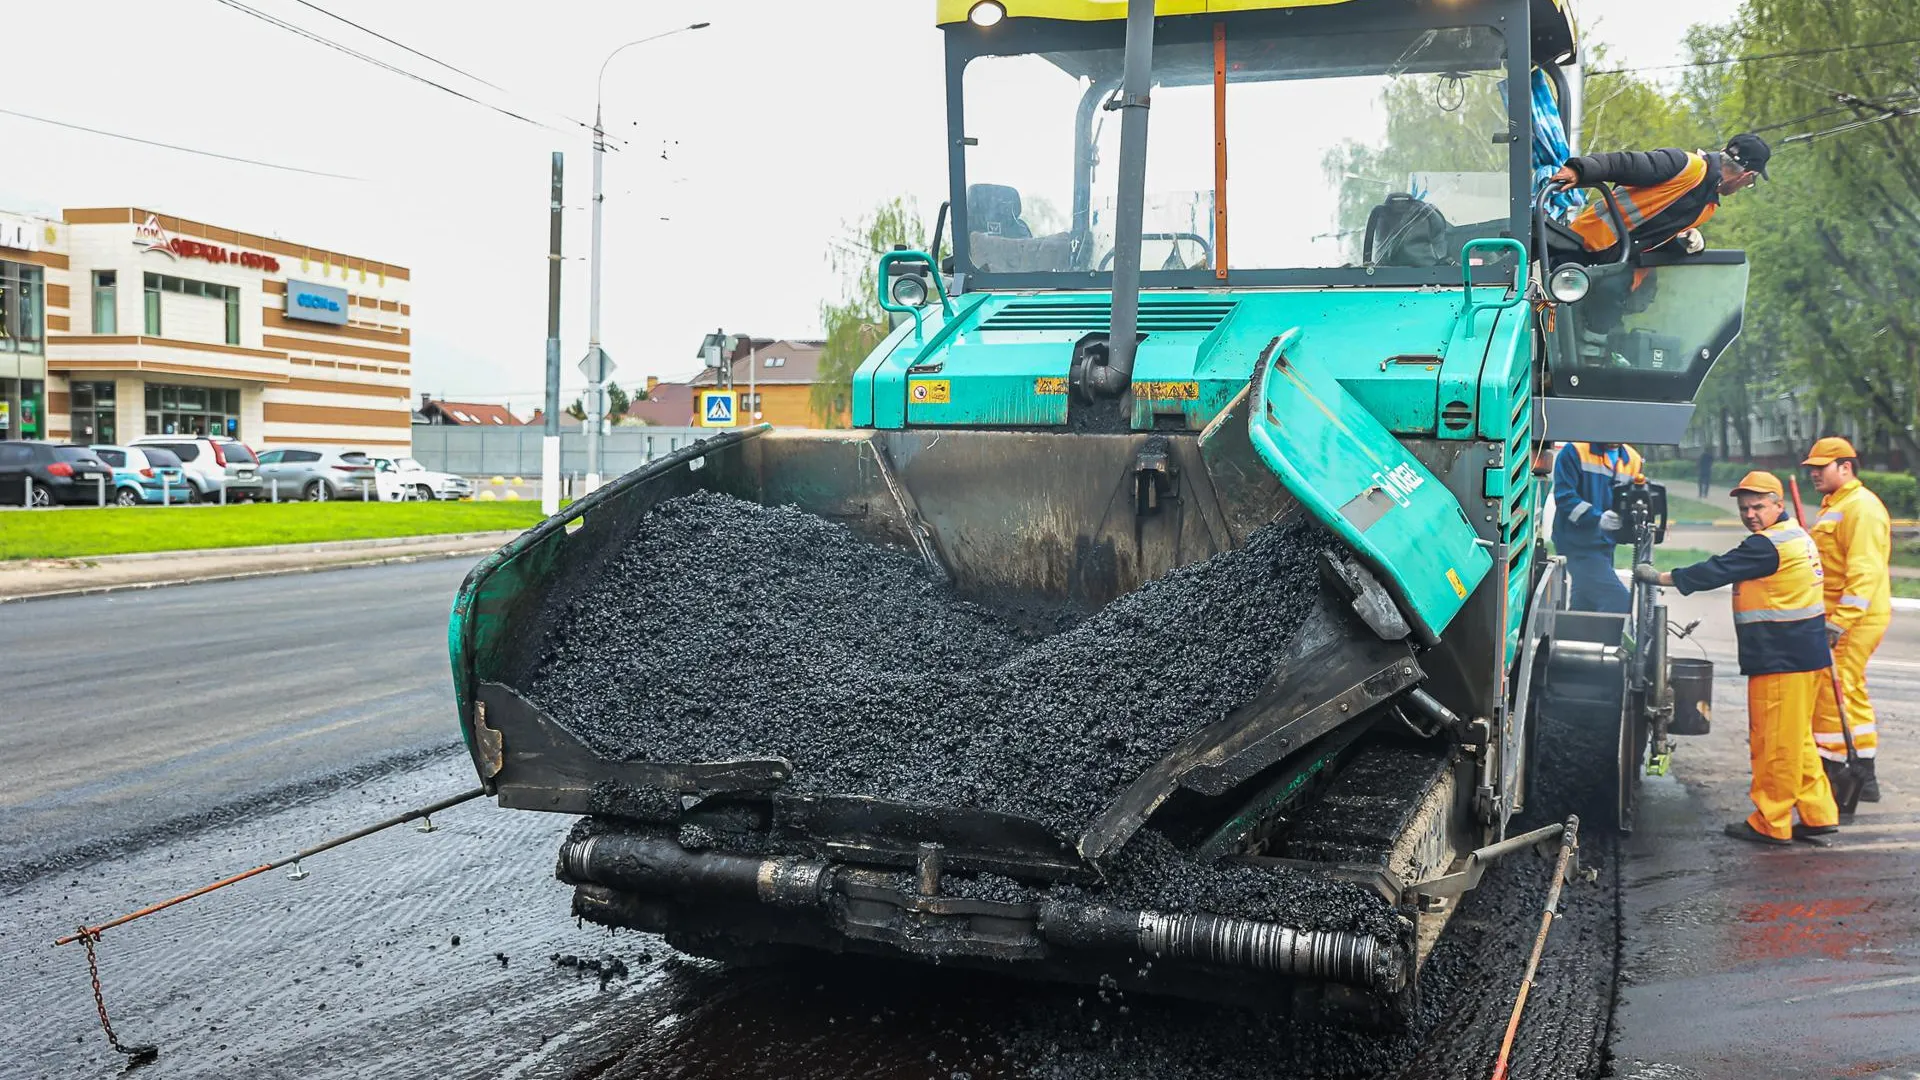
point(1168, 391)
point(1050, 384)
point(930, 391)
point(1459, 587)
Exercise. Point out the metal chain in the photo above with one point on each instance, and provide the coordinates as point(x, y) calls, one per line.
point(136, 1055)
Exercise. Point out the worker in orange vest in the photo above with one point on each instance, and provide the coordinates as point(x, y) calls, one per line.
point(1855, 537)
point(1779, 623)
point(1665, 195)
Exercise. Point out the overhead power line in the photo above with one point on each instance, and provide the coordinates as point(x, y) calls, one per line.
point(293, 28)
point(182, 149)
point(1788, 55)
point(398, 45)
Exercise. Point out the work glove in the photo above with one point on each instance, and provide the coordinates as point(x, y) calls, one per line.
point(1646, 573)
point(1610, 522)
point(1691, 241)
point(1834, 634)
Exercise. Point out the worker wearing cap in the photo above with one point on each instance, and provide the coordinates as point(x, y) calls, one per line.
point(1585, 527)
point(1665, 195)
point(1780, 624)
point(1855, 537)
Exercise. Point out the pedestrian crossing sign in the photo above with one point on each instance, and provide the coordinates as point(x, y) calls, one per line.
point(716, 408)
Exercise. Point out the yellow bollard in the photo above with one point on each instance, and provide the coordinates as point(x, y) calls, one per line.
point(512, 495)
point(485, 496)
point(518, 482)
point(497, 481)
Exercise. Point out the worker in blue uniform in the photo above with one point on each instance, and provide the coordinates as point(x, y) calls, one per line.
point(1585, 527)
point(1779, 621)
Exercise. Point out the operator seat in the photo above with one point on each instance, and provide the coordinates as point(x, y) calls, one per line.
point(994, 209)
point(1000, 241)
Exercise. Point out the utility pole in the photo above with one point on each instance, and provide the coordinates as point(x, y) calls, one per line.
point(550, 439)
point(596, 363)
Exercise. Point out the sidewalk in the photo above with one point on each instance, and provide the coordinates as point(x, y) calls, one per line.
point(39, 578)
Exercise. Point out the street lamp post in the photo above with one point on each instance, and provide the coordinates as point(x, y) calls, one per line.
point(597, 369)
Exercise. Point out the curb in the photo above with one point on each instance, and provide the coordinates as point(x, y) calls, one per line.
point(318, 547)
point(101, 590)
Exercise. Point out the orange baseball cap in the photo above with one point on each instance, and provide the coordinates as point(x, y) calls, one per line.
point(1828, 450)
point(1759, 482)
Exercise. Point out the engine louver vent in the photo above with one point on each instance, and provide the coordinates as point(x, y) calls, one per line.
point(1160, 318)
point(1457, 415)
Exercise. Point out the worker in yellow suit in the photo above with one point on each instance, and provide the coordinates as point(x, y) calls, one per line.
point(1778, 624)
point(1855, 537)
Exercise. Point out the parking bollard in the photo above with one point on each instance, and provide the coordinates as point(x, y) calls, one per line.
point(363, 490)
point(100, 491)
point(223, 493)
point(166, 490)
point(29, 503)
point(274, 486)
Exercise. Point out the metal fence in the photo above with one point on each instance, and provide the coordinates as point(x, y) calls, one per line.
point(515, 451)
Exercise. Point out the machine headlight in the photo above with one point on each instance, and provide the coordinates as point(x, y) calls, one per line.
point(986, 13)
point(1569, 284)
point(909, 290)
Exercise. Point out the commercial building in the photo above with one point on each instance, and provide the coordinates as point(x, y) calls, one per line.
point(121, 322)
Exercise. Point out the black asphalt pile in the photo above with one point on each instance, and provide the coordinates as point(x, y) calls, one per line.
point(727, 629)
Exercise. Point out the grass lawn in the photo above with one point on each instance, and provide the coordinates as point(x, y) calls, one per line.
point(59, 534)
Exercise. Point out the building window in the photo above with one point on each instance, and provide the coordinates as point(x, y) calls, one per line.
point(749, 403)
point(106, 317)
point(229, 295)
point(22, 308)
point(192, 410)
point(92, 412)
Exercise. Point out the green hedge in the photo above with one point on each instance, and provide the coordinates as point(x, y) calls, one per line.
point(1900, 491)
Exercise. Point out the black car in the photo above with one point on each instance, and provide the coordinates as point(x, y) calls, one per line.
point(53, 473)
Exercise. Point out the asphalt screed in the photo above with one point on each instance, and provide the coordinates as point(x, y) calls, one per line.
point(727, 629)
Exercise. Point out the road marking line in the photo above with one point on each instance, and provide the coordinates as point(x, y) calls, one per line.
point(1883, 984)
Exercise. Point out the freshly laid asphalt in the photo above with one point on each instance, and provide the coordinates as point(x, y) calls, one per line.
point(125, 712)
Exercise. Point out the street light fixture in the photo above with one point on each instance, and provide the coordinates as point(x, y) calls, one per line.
point(596, 392)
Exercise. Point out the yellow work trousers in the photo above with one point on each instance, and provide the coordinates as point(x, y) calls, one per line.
point(1850, 658)
point(1786, 769)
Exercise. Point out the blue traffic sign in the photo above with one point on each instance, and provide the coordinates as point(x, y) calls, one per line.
point(716, 408)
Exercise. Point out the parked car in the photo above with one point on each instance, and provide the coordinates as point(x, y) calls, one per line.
point(318, 474)
point(56, 473)
point(403, 478)
point(145, 474)
point(213, 463)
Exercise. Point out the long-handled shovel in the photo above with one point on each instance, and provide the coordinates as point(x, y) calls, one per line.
point(1850, 780)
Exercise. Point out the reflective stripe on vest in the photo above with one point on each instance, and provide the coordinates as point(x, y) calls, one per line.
point(1640, 205)
point(1789, 594)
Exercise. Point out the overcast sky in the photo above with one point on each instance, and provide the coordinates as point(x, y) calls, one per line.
point(748, 146)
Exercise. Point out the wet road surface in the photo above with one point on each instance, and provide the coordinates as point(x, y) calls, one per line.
point(354, 970)
point(128, 711)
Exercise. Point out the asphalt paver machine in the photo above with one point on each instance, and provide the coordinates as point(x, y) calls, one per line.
point(1198, 270)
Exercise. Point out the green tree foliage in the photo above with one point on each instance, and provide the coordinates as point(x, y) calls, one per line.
point(617, 403)
point(855, 324)
point(1835, 239)
point(577, 410)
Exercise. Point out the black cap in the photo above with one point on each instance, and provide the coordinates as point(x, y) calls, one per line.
point(1751, 152)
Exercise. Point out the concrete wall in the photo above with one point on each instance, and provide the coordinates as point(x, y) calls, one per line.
point(515, 451)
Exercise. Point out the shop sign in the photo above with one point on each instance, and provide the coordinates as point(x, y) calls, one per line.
point(152, 236)
point(316, 303)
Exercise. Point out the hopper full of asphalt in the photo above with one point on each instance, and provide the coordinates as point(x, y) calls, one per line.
point(728, 629)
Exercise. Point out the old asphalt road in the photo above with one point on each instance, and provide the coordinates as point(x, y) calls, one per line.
point(132, 712)
point(411, 955)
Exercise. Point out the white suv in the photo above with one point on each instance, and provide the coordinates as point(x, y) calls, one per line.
point(403, 478)
point(213, 462)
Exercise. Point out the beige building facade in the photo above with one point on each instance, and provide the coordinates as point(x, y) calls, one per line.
point(128, 323)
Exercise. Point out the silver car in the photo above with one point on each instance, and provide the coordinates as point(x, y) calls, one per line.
point(317, 474)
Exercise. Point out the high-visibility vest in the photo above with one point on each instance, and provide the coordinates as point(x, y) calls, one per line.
point(1790, 594)
point(1654, 214)
point(1854, 536)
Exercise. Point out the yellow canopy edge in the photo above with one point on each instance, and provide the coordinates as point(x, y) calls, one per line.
point(953, 11)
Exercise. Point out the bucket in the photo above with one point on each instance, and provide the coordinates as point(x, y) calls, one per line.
point(1692, 684)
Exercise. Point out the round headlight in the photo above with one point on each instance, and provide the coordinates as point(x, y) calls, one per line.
point(1569, 284)
point(910, 291)
point(986, 13)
